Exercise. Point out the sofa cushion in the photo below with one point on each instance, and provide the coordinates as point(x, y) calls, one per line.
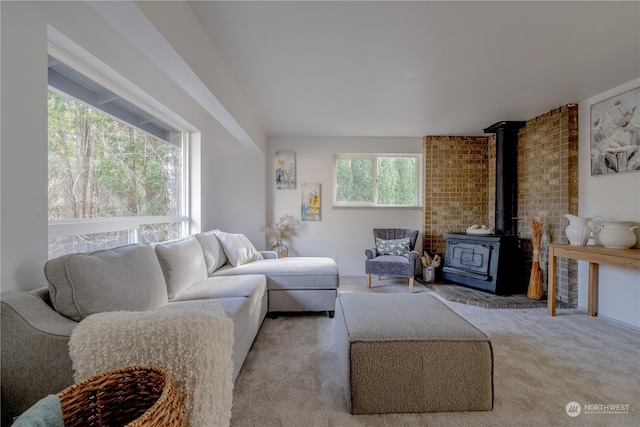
point(238, 248)
point(127, 278)
point(236, 309)
point(214, 255)
point(290, 273)
point(245, 327)
point(248, 286)
point(253, 288)
point(182, 263)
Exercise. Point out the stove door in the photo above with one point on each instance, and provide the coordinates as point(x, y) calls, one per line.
point(468, 259)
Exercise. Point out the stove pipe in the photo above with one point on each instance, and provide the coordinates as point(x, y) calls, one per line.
point(506, 207)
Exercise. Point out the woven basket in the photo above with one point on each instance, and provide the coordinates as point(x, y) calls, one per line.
point(135, 396)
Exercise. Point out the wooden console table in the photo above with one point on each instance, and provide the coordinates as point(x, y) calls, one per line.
point(625, 258)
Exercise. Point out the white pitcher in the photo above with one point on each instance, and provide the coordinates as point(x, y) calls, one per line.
point(578, 230)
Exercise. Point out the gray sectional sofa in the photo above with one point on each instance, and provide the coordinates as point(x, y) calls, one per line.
point(247, 284)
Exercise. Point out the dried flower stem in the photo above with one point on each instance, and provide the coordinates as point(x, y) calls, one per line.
point(283, 229)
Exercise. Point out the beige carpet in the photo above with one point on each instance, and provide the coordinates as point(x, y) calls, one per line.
point(541, 365)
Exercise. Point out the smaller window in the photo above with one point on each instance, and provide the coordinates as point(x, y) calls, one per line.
point(377, 180)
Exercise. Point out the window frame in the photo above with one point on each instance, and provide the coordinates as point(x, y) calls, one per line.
point(375, 157)
point(131, 224)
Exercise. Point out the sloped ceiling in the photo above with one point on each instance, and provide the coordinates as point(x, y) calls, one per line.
point(371, 68)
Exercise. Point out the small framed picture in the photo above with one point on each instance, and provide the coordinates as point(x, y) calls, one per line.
point(286, 170)
point(310, 206)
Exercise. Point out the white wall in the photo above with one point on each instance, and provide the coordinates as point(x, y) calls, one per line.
point(183, 32)
point(23, 219)
point(217, 155)
point(616, 196)
point(342, 234)
point(233, 189)
point(232, 164)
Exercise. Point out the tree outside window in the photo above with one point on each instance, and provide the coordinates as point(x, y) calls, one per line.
point(100, 167)
point(376, 180)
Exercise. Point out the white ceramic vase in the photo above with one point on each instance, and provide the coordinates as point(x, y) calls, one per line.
point(578, 230)
point(618, 235)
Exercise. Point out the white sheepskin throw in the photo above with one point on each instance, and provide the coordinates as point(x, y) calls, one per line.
point(192, 342)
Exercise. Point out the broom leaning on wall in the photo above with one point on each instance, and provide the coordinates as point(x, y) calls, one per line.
point(535, 281)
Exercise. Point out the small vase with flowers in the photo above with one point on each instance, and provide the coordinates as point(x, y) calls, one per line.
point(280, 232)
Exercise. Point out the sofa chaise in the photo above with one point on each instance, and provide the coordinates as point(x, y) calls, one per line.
point(223, 267)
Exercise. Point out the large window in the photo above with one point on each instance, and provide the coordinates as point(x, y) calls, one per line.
point(116, 172)
point(377, 180)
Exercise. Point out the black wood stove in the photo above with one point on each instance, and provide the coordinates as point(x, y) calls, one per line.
point(489, 262)
point(485, 262)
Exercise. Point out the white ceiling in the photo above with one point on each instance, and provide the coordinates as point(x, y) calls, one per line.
point(372, 68)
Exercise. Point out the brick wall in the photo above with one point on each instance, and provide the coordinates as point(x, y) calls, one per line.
point(548, 186)
point(456, 187)
point(460, 187)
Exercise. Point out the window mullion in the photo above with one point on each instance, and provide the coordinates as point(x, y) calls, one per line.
point(375, 180)
point(134, 235)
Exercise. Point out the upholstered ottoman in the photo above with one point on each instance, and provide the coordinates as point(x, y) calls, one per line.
point(410, 353)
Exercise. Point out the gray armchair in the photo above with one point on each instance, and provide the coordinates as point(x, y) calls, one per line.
point(392, 257)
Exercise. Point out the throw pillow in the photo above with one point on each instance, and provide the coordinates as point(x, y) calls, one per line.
point(393, 247)
point(182, 263)
point(238, 248)
point(213, 252)
point(124, 278)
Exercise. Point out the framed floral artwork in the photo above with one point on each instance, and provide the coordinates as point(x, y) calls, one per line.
point(310, 206)
point(615, 133)
point(286, 170)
